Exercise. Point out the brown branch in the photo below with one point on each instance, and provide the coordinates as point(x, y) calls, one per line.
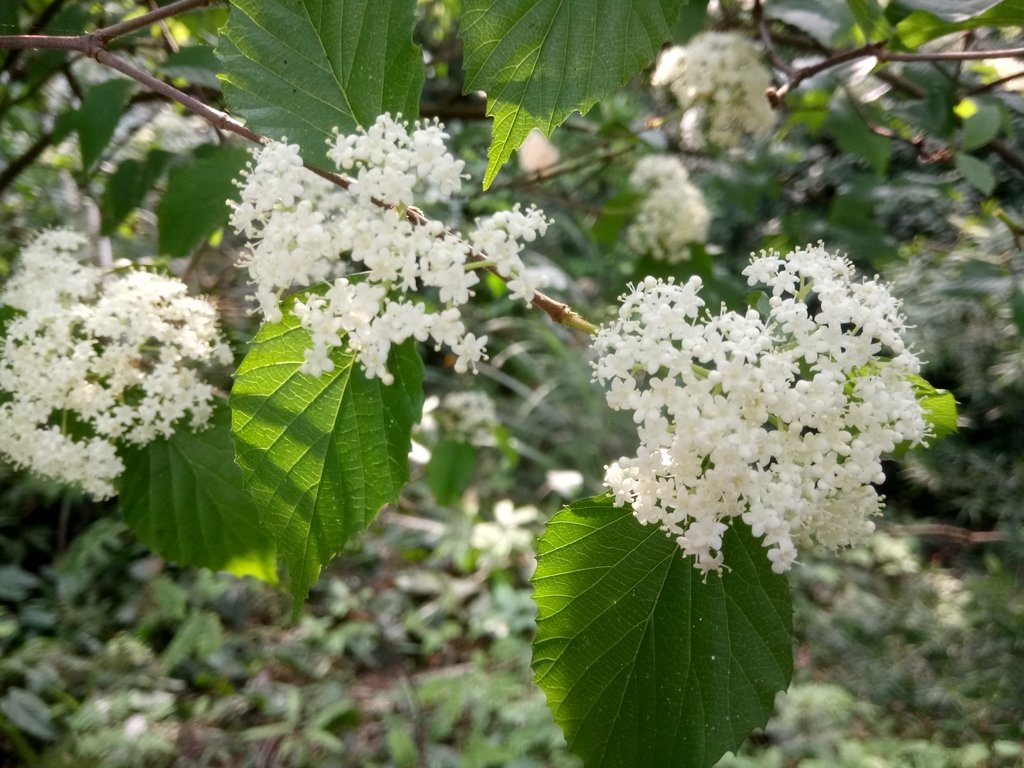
point(952, 532)
point(38, 25)
point(106, 34)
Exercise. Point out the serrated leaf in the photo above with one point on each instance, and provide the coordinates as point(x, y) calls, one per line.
point(195, 203)
point(320, 455)
point(977, 172)
point(127, 187)
point(183, 497)
point(451, 467)
point(642, 661)
point(97, 118)
point(541, 60)
point(300, 68)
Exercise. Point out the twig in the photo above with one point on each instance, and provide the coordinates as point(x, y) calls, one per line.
point(878, 51)
point(952, 532)
point(93, 46)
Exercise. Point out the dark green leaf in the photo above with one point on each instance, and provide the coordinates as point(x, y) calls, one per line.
point(127, 187)
point(197, 63)
point(451, 467)
point(951, 10)
point(846, 125)
point(921, 26)
point(199, 636)
point(871, 19)
point(28, 713)
point(195, 203)
point(320, 455)
point(98, 117)
point(827, 21)
point(643, 661)
point(982, 124)
point(977, 172)
point(300, 68)
point(184, 498)
point(541, 60)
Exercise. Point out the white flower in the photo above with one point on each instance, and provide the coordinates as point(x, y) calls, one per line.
point(470, 415)
point(95, 357)
point(672, 216)
point(303, 231)
point(721, 74)
point(779, 420)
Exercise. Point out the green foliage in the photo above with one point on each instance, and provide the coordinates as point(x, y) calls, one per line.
point(183, 497)
point(643, 660)
point(97, 118)
point(301, 68)
point(528, 57)
point(194, 205)
point(320, 455)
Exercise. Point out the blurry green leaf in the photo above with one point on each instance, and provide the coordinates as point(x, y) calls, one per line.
point(977, 172)
point(300, 68)
point(195, 203)
point(16, 583)
point(939, 407)
point(616, 214)
point(320, 455)
point(692, 17)
point(451, 467)
point(982, 121)
point(921, 26)
point(870, 17)
point(198, 64)
point(183, 497)
point(97, 118)
point(541, 60)
point(198, 637)
point(127, 187)
point(827, 21)
point(850, 132)
point(28, 713)
point(643, 661)
point(951, 10)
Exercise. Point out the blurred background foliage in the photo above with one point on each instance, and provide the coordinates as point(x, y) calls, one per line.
point(414, 647)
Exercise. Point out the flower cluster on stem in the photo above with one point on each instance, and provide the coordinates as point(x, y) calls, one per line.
point(779, 418)
point(376, 262)
point(719, 74)
point(92, 358)
point(673, 215)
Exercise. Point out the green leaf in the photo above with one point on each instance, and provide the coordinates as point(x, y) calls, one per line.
point(643, 661)
point(871, 19)
point(451, 467)
point(982, 122)
point(28, 713)
point(195, 203)
point(184, 498)
point(300, 68)
point(98, 117)
point(847, 127)
point(540, 60)
point(976, 171)
point(827, 21)
point(127, 188)
point(320, 455)
point(199, 636)
point(951, 10)
point(921, 26)
point(939, 407)
point(198, 64)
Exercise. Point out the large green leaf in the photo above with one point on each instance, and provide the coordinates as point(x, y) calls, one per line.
point(183, 497)
point(128, 186)
point(921, 26)
point(97, 118)
point(300, 68)
point(539, 60)
point(643, 661)
point(195, 203)
point(320, 455)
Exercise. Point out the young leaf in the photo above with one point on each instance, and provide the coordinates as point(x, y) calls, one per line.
point(183, 497)
point(320, 455)
point(300, 68)
point(540, 60)
point(195, 203)
point(643, 661)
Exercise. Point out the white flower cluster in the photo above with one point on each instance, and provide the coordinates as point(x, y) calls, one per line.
point(92, 357)
point(470, 415)
point(673, 216)
point(304, 230)
point(779, 420)
point(721, 74)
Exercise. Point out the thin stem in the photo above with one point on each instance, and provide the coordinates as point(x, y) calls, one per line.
point(106, 34)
